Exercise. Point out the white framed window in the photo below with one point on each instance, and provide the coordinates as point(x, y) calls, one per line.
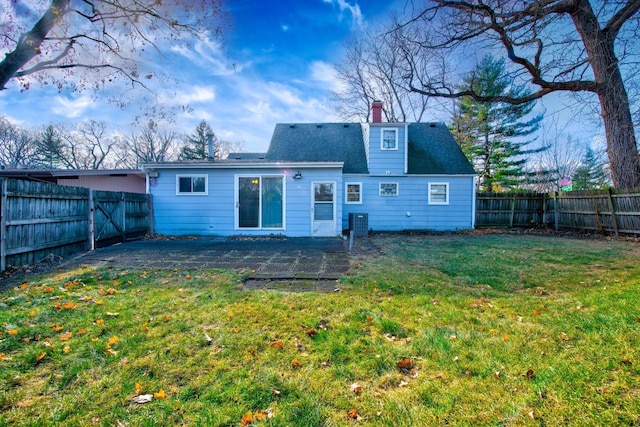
point(439, 193)
point(353, 190)
point(192, 185)
point(388, 189)
point(389, 139)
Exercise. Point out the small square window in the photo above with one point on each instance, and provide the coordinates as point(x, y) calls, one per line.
point(354, 192)
point(438, 193)
point(191, 184)
point(389, 139)
point(388, 188)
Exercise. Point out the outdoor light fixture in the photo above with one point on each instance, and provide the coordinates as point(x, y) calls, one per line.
point(298, 175)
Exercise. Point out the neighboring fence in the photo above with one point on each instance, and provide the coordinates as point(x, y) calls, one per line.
point(613, 211)
point(38, 220)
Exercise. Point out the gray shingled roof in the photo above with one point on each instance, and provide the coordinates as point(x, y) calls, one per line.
point(433, 150)
point(245, 156)
point(320, 142)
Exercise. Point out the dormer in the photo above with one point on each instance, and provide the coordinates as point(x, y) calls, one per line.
point(386, 145)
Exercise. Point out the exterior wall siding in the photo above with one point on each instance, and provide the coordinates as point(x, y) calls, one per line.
point(129, 183)
point(410, 209)
point(383, 161)
point(214, 214)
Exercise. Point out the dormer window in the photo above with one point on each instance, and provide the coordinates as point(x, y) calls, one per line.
point(389, 139)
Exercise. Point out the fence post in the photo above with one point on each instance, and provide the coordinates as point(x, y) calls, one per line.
point(555, 211)
point(614, 218)
point(92, 230)
point(3, 225)
point(513, 211)
point(123, 201)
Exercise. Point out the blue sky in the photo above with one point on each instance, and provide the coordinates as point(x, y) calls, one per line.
point(274, 64)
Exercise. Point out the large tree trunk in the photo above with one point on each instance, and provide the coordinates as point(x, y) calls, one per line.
point(621, 142)
point(624, 161)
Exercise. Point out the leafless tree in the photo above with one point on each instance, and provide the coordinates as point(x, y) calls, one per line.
point(149, 144)
point(17, 147)
point(53, 40)
point(559, 161)
point(576, 46)
point(87, 146)
point(226, 147)
point(369, 71)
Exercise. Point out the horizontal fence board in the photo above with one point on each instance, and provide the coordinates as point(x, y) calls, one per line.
point(613, 211)
point(40, 220)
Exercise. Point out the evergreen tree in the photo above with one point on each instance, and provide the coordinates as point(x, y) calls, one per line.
point(491, 134)
point(50, 149)
point(591, 174)
point(196, 144)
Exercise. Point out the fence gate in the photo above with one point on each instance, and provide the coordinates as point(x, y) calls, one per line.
point(41, 220)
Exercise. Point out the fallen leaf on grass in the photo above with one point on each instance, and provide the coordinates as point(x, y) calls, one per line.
point(112, 340)
point(108, 313)
point(529, 374)
point(42, 356)
point(311, 332)
point(247, 419)
point(296, 363)
point(275, 392)
point(403, 383)
point(66, 349)
point(356, 388)
point(13, 332)
point(207, 338)
point(159, 395)
point(143, 398)
point(405, 363)
point(66, 336)
point(353, 414)
point(494, 331)
point(69, 306)
point(138, 389)
point(276, 344)
point(99, 322)
point(505, 337)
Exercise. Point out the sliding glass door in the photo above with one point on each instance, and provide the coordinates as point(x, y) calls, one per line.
point(260, 202)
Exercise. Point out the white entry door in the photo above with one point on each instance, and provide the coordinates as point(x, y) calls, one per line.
point(323, 209)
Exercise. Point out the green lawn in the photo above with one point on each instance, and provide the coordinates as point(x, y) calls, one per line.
point(496, 330)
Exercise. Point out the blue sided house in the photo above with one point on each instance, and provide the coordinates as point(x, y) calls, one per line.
point(403, 176)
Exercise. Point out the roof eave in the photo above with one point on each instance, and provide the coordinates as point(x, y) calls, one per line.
point(243, 165)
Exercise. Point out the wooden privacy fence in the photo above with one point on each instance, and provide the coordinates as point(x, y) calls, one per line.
point(39, 220)
point(613, 211)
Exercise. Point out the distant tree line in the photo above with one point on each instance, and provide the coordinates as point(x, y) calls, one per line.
point(92, 145)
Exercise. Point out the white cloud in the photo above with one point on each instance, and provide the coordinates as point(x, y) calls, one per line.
point(284, 27)
point(208, 55)
point(72, 107)
point(196, 94)
point(357, 19)
point(325, 73)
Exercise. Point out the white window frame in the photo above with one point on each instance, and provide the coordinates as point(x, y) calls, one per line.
point(435, 202)
point(381, 194)
point(346, 193)
point(395, 146)
point(192, 193)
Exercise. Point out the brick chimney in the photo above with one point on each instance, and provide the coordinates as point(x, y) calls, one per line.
point(376, 108)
